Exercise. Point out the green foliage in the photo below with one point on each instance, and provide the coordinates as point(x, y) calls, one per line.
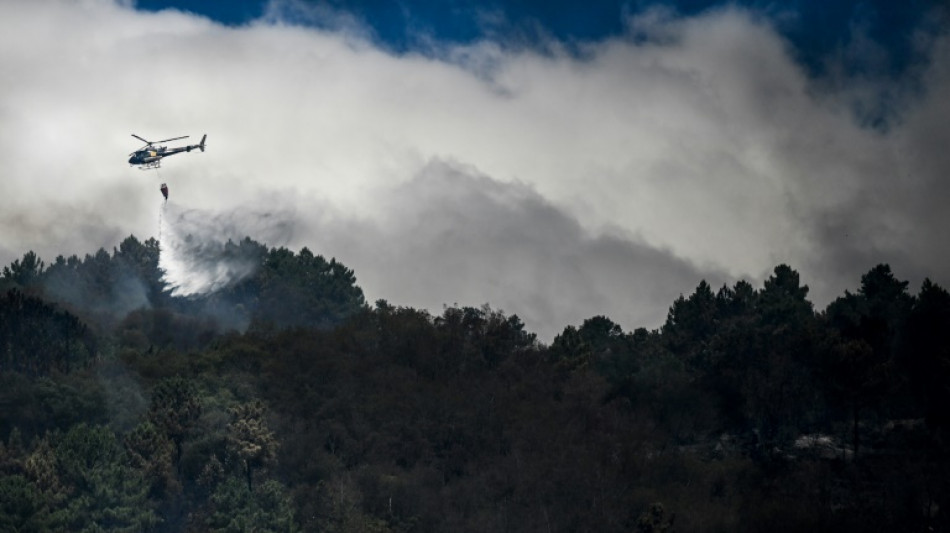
point(599, 343)
point(287, 290)
point(84, 477)
point(477, 339)
point(174, 408)
point(305, 290)
point(157, 330)
point(153, 453)
point(24, 272)
point(236, 509)
point(328, 415)
point(107, 287)
point(36, 338)
point(34, 406)
point(22, 508)
point(691, 321)
point(250, 440)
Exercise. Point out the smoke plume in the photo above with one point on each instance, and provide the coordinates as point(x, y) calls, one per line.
point(200, 250)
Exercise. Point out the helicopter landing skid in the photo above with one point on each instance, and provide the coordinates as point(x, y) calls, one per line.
point(147, 166)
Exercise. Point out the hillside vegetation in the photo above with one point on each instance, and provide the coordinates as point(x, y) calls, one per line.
point(286, 403)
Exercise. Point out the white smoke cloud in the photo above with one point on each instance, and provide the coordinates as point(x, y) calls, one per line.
point(695, 143)
point(199, 250)
point(452, 235)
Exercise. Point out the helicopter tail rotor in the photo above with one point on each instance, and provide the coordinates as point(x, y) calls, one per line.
point(202, 143)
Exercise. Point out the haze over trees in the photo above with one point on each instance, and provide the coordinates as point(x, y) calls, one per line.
point(285, 402)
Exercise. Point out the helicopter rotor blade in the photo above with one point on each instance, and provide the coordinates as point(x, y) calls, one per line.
point(173, 139)
point(141, 139)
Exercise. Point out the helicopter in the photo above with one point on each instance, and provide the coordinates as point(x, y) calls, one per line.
point(150, 155)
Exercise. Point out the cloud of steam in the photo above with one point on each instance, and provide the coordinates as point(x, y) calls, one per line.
point(199, 252)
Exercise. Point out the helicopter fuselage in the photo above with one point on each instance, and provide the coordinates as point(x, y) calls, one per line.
point(144, 157)
point(151, 155)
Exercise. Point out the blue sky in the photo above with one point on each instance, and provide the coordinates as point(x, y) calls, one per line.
point(817, 29)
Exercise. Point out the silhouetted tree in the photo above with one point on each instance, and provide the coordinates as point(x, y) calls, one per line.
point(599, 344)
point(690, 323)
point(779, 385)
point(862, 361)
point(927, 348)
point(26, 271)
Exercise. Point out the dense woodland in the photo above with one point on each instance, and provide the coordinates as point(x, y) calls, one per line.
point(287, 403)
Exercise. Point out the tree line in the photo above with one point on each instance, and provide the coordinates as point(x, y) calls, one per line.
point(286, 403)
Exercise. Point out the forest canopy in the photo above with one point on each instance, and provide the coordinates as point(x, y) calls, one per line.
point(285, 402)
